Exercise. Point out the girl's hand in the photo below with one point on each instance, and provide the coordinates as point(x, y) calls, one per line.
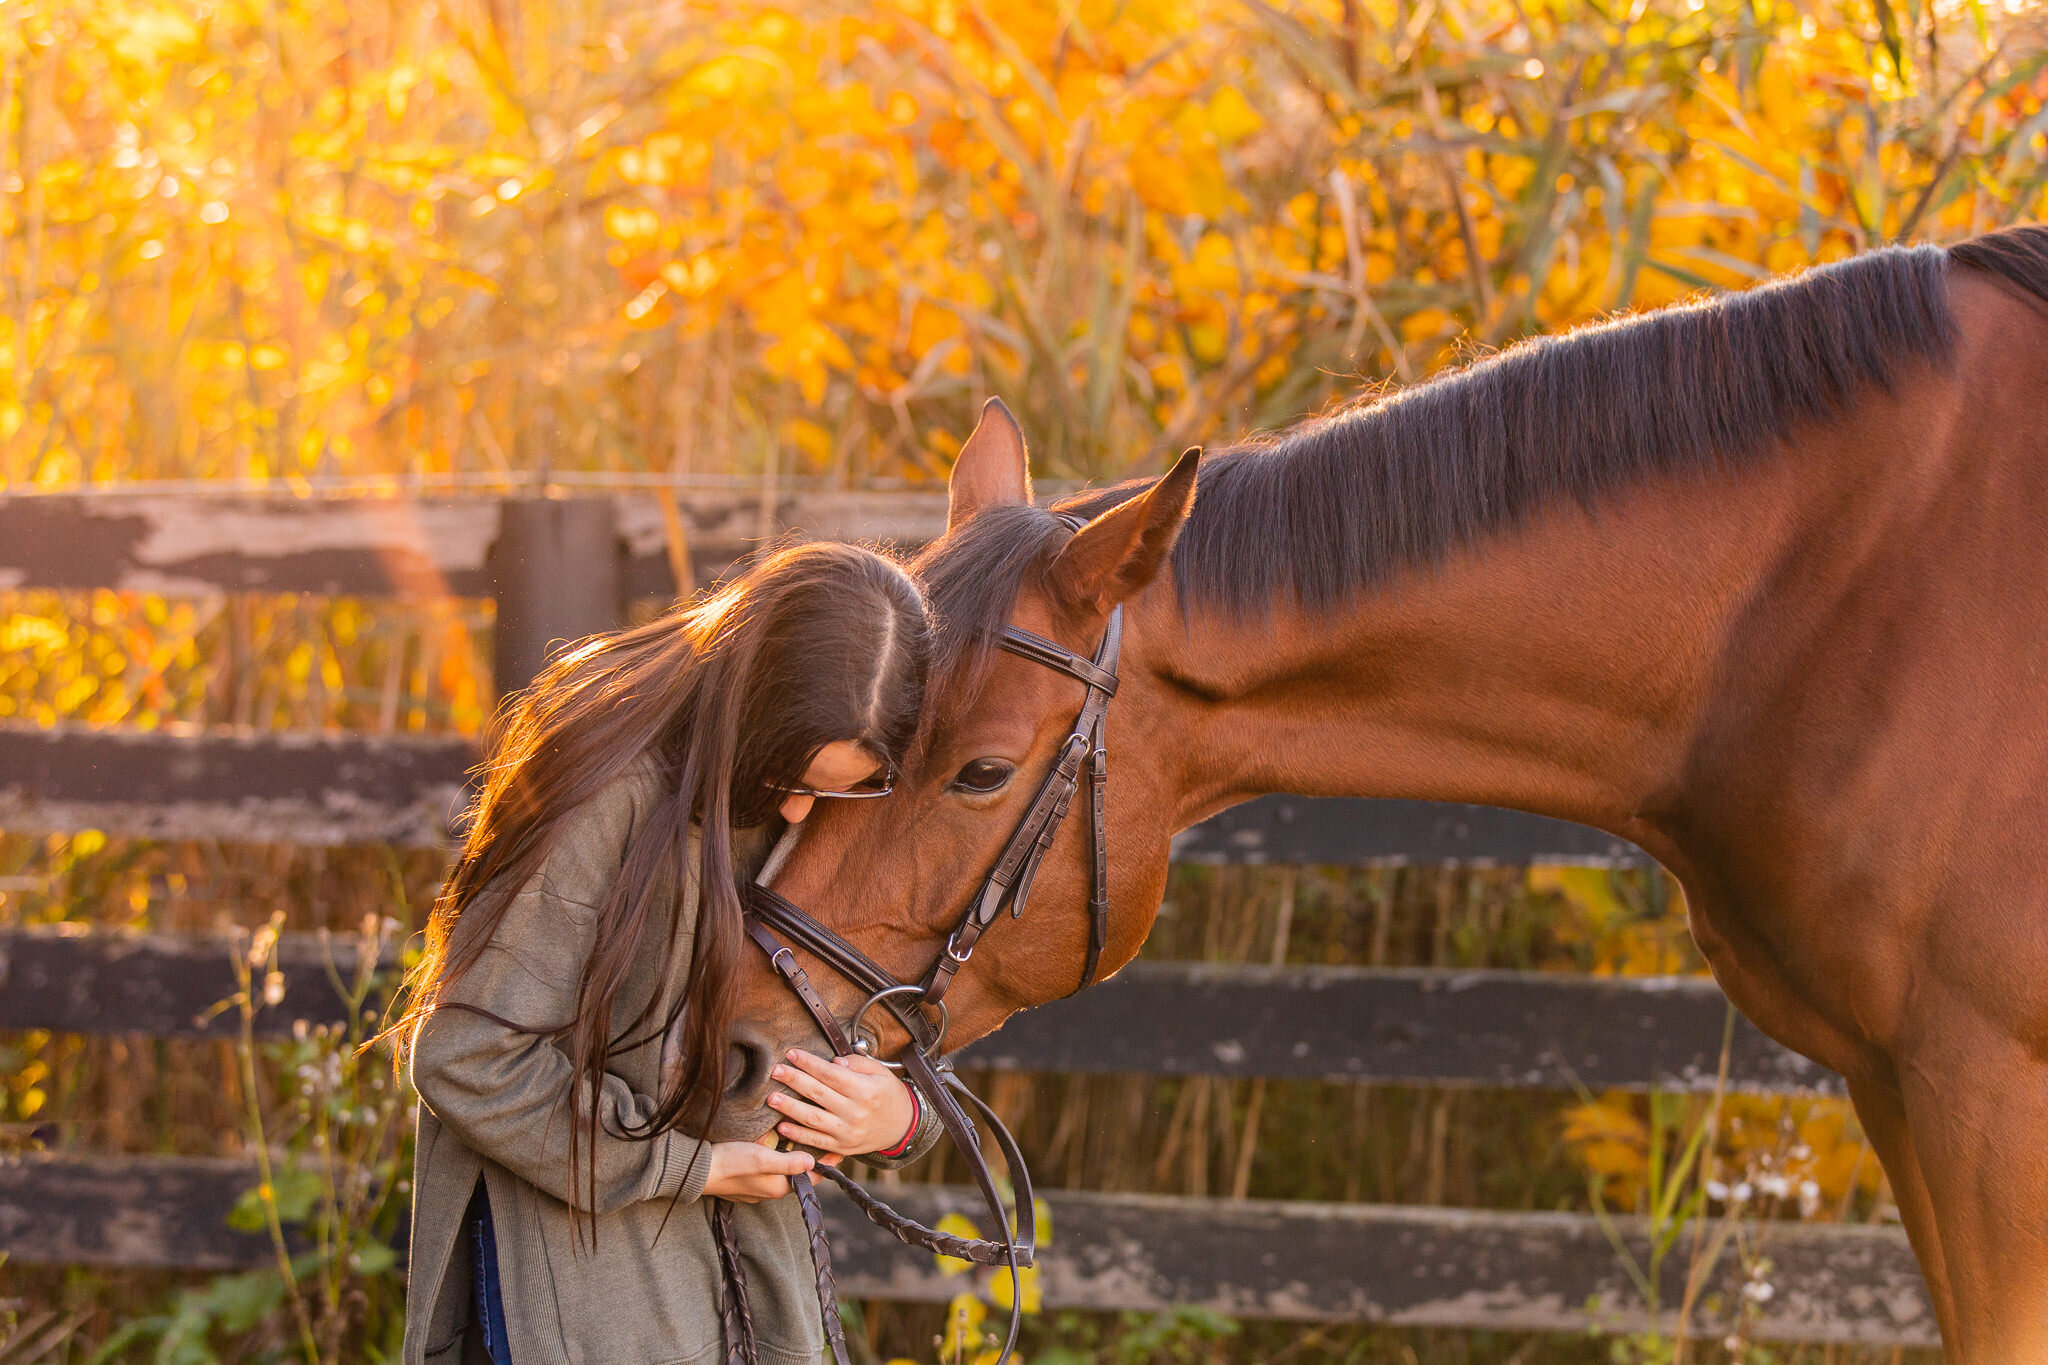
point(749, 1172)
point(857, 1104)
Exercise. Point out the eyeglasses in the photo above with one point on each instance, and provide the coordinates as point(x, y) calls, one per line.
point(867, 789)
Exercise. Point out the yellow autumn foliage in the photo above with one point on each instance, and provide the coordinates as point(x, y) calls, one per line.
point(1777, 1154)
point(329, 241)
point(309, 241)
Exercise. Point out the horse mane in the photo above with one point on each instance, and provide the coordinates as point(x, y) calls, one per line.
point(1342, 503)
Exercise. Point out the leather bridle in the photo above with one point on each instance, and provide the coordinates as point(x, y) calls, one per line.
point(776, 926)
point(1009, 881)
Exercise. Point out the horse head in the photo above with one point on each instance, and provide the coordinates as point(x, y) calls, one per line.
point(895, 878)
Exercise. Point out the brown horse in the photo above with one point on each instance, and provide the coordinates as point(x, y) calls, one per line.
point(1760, 584)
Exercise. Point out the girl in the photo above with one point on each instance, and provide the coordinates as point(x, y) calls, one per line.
point(584, 945)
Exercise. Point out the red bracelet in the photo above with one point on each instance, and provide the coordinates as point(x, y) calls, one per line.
point(916, 1117)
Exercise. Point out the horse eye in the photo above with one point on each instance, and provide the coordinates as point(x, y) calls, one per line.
point(984, 775)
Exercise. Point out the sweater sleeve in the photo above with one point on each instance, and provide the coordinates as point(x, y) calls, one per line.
point(506, 1092)
point(929, 1131)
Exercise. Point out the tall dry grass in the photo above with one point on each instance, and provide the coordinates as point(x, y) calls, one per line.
point(317, 242)
point(298, 239)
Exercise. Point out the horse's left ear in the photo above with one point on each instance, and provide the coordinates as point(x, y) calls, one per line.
point(1117, 554)
point(993, 468)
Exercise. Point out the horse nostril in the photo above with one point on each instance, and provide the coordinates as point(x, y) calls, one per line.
point(746, 1067)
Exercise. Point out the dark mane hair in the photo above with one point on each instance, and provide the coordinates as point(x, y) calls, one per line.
point(1342, 503)
point(1345, 502)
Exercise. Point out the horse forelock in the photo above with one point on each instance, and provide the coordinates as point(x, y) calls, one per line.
point(971, 578)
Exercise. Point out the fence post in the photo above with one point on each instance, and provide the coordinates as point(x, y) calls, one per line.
point(557, 572)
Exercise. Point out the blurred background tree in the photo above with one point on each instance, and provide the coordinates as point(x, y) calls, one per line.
point(278, 239)
point(317, 244)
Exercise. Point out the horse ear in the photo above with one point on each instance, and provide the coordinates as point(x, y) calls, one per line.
point(993, 469)
point(1121, 551)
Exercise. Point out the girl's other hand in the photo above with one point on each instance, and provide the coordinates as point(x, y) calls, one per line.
point(856, 1104)
point(749, 1172)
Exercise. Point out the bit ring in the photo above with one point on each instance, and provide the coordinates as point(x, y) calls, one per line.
point(860, 1042)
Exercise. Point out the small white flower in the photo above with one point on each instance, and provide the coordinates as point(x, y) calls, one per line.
point(1717, 1191)
point(1758, 1292)
point(1776, 1186)
point(1809, 1198)
point(273, 988)
point(1741, 1193)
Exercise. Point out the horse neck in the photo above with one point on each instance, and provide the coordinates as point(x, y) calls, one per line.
point(1562, 668)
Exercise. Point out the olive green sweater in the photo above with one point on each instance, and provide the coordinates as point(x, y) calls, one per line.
point(494, 1103)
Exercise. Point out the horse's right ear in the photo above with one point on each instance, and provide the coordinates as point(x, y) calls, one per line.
point(993, 469)
point(1123, 550)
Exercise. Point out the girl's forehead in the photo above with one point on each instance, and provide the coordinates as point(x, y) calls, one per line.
point(845, 758)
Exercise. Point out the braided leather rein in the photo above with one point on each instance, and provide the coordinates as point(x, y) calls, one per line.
point(771, 919)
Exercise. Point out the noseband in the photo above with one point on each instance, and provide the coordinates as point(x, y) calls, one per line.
point(775, 925)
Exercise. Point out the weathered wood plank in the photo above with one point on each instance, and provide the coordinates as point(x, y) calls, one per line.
point(1420, 1027)
point(1307, 832)
point(1248, 1258)
point(180, 782)
point(1433, 1267)
point(405, 547)
point(188, 546)
point(723, 527)
point(287, 787)
point(159, 985)
point(556, 574)
point(127, 1211)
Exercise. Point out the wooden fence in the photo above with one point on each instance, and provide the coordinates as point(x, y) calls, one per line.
point(560, 568)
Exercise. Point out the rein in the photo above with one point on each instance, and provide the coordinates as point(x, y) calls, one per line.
point(778, 927)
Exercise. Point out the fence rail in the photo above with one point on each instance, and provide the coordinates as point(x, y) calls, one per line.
point(180, 782)
point(408, 548)
point(1504, 1030)
point(1250, 1258)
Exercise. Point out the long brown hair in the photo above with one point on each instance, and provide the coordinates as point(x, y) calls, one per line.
point(732, 697)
